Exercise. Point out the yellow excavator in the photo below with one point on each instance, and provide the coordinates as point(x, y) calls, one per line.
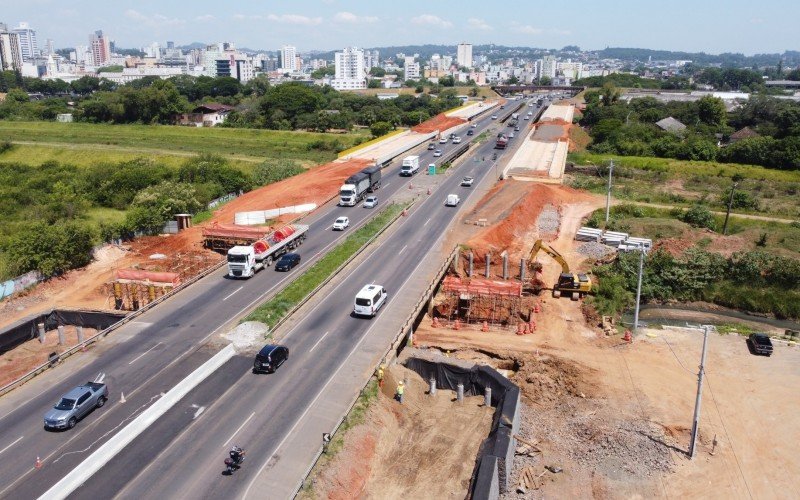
point(575, 284)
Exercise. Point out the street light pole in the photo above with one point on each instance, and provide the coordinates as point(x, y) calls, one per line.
point(638, 292)
point(608, 193)
point(697, 401)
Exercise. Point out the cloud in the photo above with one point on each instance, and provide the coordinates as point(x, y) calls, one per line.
point(245, 17)
point(478, 24)
point(756, 20)
point(431, 20)
point(350, 18)
point(205, 18)
point(154, 21)
point(527, 29)
point(295, 19)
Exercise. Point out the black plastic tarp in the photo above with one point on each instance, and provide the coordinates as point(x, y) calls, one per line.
point(27, 329)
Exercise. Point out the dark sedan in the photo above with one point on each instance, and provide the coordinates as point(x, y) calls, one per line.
point(287, 262)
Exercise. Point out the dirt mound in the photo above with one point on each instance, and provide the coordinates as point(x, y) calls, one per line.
point(440, 122)
point(516, 205)
point(546, 380)
point(316, 185)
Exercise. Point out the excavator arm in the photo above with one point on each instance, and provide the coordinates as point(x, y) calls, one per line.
point(539, 245)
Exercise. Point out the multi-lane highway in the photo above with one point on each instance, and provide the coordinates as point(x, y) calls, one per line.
point(180, 454)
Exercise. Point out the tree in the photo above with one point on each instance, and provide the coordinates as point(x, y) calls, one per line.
point(711, 111)
point(321, 73)
point(373, 83)
point(545, 80)
point(698, 216)
point(269, 172)
point(377, 71)
point(609, 94)
point(447, 81)
point(155, 205)
point(51, 249)
point(513, 80)
point(379, 129)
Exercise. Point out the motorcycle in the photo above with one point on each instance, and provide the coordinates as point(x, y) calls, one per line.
point(234, 462)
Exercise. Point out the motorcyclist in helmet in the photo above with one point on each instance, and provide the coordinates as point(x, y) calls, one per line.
point(237, 455)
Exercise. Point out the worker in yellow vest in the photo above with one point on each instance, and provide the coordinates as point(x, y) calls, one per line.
point(380, 376)
point(399, 391)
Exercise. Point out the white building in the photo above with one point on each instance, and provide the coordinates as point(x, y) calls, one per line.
point(27, 42)
point(350, 70)
point(288, 63)
point(547, 67)
point(131, 74)
point(464, 55)
point(371, 59)
point(570, 70)
point(10, 53)
point(412, 68)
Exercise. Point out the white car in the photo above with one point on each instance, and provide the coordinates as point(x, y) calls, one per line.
point(467, 181)
point(527, 117)
point(371, 202)
point(443, 140)
point(474, 125)
point(494, 117)
point(452, 200)
point(456, 140)
point(437, 153)
point(341, 224)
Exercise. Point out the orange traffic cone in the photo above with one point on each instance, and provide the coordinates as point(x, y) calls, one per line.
point(627, 337)
point(38, 463)
point(520, 329)
point(457, 325)
point(435, 323)
point(405, 212)
point(536, 308)
point(485, 327)
point(429, 190)
point(410, 185)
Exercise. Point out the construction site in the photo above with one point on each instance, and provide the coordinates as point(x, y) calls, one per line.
point(601, 417)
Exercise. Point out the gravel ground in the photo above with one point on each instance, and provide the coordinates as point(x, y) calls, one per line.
point(595, 250)
point(549, 220)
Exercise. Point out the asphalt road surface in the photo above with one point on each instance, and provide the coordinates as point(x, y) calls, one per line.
point(150, 355)
point(183, 456)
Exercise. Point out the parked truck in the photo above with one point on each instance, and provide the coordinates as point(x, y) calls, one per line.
point(358, 185)
point(515, 116)
point(410, 166)
point(245, 261)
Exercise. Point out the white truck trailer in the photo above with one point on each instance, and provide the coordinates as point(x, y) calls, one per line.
point(410, 166)
point(245, 261)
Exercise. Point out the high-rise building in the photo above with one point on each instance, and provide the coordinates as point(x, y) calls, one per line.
point(350, 71)
point(27, 42)
point(570, 70)
point(371, 59)
point(288, 56)
point(411, 68)
point(49, 47)
point(464, 55)
point(10, 53)
point(100, 47)
point(547, 67)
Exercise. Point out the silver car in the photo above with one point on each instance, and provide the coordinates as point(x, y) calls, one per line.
point(75, 405)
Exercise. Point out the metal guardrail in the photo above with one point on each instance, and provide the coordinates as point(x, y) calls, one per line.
point(385, 358)
point(102, 333)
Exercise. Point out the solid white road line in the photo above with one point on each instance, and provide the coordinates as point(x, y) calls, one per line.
point(402, 249)
point(199, 412)
point(332, 377)
point(12, 444)
point(237, 430)
point(318, 341)
point(142, 354)
point(426, 222)
point(232, 293)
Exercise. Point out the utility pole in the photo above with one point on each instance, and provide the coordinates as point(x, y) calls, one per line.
point(696, 419)
point(728, 213)
point(608, 194)
point(638, 292)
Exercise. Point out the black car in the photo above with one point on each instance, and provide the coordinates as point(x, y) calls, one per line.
point(431, 146)
point(760, 343)
point(470, 132)
point(270, 357)
point(287, 262)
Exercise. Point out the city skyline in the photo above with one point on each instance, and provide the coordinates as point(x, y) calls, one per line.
point(332, 24)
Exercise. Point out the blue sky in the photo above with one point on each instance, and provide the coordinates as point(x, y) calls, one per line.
point(713, 27)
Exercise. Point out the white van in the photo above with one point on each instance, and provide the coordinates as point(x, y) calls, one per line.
point(369, 300)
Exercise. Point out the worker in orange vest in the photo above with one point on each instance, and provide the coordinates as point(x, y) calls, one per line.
point(380, 376)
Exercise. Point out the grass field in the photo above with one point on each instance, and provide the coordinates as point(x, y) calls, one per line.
point(80, 142)
point(683, 183)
